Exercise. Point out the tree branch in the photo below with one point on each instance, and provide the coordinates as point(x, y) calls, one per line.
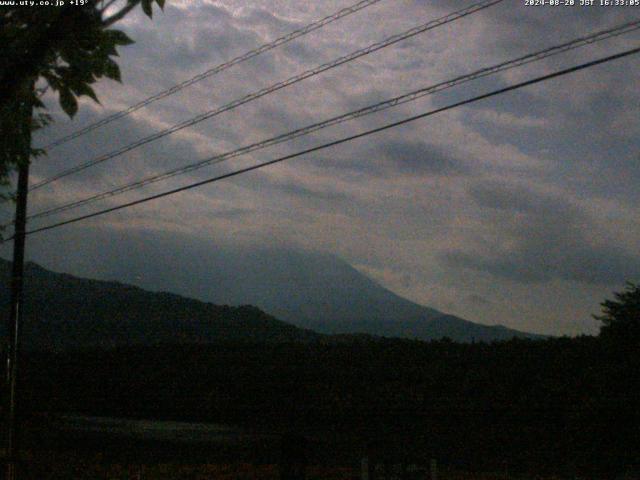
point(121, 14)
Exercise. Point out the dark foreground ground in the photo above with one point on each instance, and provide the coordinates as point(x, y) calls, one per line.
point(50, 454)
point(568, 408)
point(99, 466)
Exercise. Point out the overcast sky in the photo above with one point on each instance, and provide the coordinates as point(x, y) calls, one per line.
point(519, 210)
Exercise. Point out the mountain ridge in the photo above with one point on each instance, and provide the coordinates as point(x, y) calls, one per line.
point(63, 311)
point(310, 290)
point(352, 303)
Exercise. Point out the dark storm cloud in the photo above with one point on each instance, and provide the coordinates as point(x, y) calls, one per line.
point(478, 300)
point(300, 52)
point(156, 156)
point(385, 158)
point(419, 158)
point(530, 27)
point(514, 198)
point(543, 237)
point(534, 263)
point(312, 195)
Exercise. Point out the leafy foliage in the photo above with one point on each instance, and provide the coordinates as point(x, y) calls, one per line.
point(63, 48)
point(621, 317)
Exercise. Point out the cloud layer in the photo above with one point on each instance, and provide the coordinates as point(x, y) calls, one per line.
point(518, 210)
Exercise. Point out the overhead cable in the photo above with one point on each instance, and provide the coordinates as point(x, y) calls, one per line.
point(377, 107)
point(217, 69)
point(388, 126)
point(277, 86)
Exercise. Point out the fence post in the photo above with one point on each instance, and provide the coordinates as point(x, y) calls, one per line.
point(434, 469)
point(364, 464)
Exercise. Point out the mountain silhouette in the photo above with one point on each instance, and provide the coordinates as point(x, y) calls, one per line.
point(63, 311)
point(308, 291)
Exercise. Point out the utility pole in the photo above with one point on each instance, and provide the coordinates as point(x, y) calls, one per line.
point(23, 137)
point(15, 321)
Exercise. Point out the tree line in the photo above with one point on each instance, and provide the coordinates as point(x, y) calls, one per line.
point(558, 405)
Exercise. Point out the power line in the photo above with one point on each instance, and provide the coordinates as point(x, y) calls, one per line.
point(405, 98)
point(217, 69)
point(265, 91)
point(277, 86)
point(493, 93)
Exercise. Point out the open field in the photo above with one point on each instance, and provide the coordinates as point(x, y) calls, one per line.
point(69, 466)
point(73, 465)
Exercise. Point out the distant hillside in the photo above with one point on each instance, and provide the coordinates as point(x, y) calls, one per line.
point(63, 311)
point(311, 291)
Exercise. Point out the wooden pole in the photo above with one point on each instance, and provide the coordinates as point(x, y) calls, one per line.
point(15, 321)
point(364, 468)
point(434, 469)
point(23, 132)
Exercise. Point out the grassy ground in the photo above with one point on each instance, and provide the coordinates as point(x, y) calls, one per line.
point(70, 466)
point(74, 468)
